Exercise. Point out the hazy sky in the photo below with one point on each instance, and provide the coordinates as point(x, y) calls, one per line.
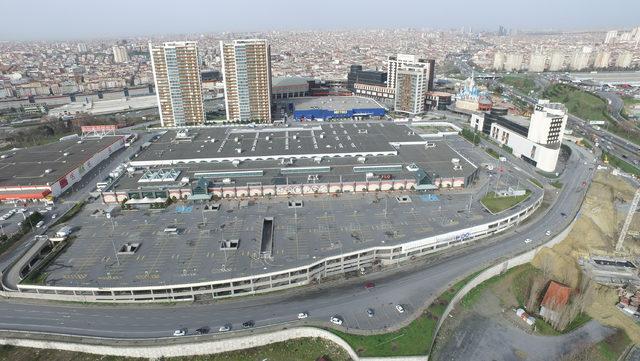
point(75, 19)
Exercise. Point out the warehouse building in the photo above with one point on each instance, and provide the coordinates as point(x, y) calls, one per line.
point(44, 172)
point(344, 107)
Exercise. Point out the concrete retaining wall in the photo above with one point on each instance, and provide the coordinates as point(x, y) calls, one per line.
point(203, 348)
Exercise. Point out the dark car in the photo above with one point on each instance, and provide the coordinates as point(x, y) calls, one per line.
point(248, 324)
point(202, 331)
point(369, 285)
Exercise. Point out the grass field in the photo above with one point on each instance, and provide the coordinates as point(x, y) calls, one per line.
point(523, 83)
point(536, 182)
point(619, 163)
point(498, 204)
point(293, 350)
point(412, 340)
point(578, 102)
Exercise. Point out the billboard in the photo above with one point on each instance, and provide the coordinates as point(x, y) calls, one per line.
point(98, 128)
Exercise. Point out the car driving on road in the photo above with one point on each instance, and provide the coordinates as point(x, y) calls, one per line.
point(302, 315)
point(180, 332)
point(248, 324)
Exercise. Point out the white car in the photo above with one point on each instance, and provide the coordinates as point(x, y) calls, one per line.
point(336, 320)
point(548, 233)
point(180, 332)
point(400, 308)
point(302, 315)
point(528, 240)
point(224, 328)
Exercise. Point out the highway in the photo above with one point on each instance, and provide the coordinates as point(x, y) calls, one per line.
point(410, 286)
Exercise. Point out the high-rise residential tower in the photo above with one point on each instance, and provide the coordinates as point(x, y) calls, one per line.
point(396, 61)
point(120, 54)
point(411, 83)
point(246, 70)
point(176, 72)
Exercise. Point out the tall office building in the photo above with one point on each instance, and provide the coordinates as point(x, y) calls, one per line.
point(120, 54)
point(82, 48)
point(176, 72)
point(556, 62)
point(396, 61)
point(411, 87)
point(246, 70)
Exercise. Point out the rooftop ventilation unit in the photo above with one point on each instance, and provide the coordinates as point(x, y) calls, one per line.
point(455, 161)
point(47, 171)
point(239, 150)
point(235, 163)
point(361, 160)
point(317, 159)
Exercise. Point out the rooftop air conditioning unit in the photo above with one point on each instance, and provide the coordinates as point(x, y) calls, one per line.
point(226, 180)
point(235, 163)
point(361, 160)
point(317, 159)
point(455, 161)
point(238, 150)
point(47, 171)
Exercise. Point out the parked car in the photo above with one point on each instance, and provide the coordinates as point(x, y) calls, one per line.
point(400, 308)
point(248, 324)
point(336, 320)
point(369, 285)
point(180, 332)
point(225, 328)
point(202, 331)
point(370, 312)
point(548, 233)
point(39, 224)
point(302, 315)
point(528, 240)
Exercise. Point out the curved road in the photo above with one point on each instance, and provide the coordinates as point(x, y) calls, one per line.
point(411, 286)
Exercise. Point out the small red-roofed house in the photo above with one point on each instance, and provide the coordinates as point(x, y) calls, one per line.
point(556, 298)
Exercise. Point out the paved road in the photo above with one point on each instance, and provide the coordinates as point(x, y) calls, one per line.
point(410, 287)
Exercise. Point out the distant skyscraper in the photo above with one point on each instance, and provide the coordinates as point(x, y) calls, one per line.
point(82, 47)
point(556, 62)
point(498, 61)
point(176, 72)
point(624, 59)
point(602, 60)
point(411, 85)
point(246, 70)
point(537, 62)
point(611, 37)
point(120, 54)
point(396, 61)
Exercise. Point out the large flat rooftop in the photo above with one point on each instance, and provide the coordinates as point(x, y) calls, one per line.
point(435, 161)
point(309, 140)
point(44, 164)
point(343, 103)
point(324, 226)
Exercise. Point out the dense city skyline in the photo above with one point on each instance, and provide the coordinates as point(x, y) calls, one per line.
point(51, 20)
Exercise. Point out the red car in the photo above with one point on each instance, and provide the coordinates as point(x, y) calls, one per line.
point(369, 285)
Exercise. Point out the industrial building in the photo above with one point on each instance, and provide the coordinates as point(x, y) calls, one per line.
point(342, 107)
point(246, 69)
point(328, 158)
point(44, 172)
point(176, 73)
point(536, 140)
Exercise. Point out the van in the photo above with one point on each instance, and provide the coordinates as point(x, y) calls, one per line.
point(39, 224)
